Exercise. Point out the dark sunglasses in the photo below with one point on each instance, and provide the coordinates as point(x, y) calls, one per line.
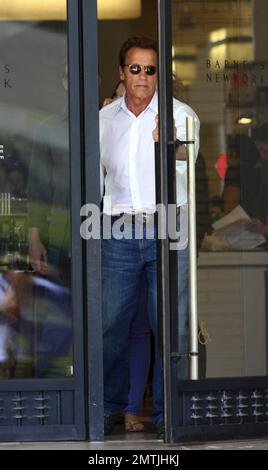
point(135, 69)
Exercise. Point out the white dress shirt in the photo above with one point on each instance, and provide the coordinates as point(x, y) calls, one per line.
point(128, 160)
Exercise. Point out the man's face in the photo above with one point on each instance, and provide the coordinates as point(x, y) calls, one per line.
point(141, 86)
point(262, 148)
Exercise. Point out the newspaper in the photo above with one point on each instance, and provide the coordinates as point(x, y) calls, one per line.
point(233, 229)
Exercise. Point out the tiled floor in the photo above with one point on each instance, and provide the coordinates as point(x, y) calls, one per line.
point(140, 442)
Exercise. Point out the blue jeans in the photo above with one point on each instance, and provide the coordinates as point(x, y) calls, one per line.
point(139, 353)
point(124, 262)
point(183, 313)
point(139, 338)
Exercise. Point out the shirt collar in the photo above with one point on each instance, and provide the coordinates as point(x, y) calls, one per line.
point(122, 104)
point(152, 105)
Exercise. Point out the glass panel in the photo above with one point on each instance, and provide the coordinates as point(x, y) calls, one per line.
point(220, 64)
point(35, 276)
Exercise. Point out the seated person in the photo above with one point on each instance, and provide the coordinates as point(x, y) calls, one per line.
point(260, 220)
point(242, 175)
point(246, 181)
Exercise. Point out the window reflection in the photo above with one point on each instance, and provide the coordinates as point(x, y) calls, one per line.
point(221, 65)
point(35, 244)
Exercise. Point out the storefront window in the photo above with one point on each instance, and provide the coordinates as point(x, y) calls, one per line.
point(220, 66)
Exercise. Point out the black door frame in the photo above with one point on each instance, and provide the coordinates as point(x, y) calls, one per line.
point(167, 285)
point(92, 248)
point(197, 409)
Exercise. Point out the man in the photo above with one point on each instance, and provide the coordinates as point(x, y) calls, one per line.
point(127, 132)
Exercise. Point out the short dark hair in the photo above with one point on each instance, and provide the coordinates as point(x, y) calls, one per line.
point(261, 133)
point(140, 42)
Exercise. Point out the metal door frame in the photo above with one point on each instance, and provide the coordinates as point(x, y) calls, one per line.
point(92, 248)
point(189, 411)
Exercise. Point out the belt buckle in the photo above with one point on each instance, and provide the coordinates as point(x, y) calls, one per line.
point(143, 217)
point(147, 217)
point(138, 217)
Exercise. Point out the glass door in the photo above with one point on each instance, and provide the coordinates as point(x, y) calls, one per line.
point(41, 321)
point(219, 65)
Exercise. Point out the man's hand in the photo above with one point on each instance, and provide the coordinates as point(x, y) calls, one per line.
point(37, 252)
point(156, 130)
point(181, 152)
point(258, 227)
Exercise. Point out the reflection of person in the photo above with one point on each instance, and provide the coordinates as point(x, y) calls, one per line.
point(49, 224)
point(34, 349)
point(231, 191)
point(260, 221)
point(15, 172)
point(128, 177)
point(48, 193)
point(8, 314)
point(246, 180)
point(16, 181)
